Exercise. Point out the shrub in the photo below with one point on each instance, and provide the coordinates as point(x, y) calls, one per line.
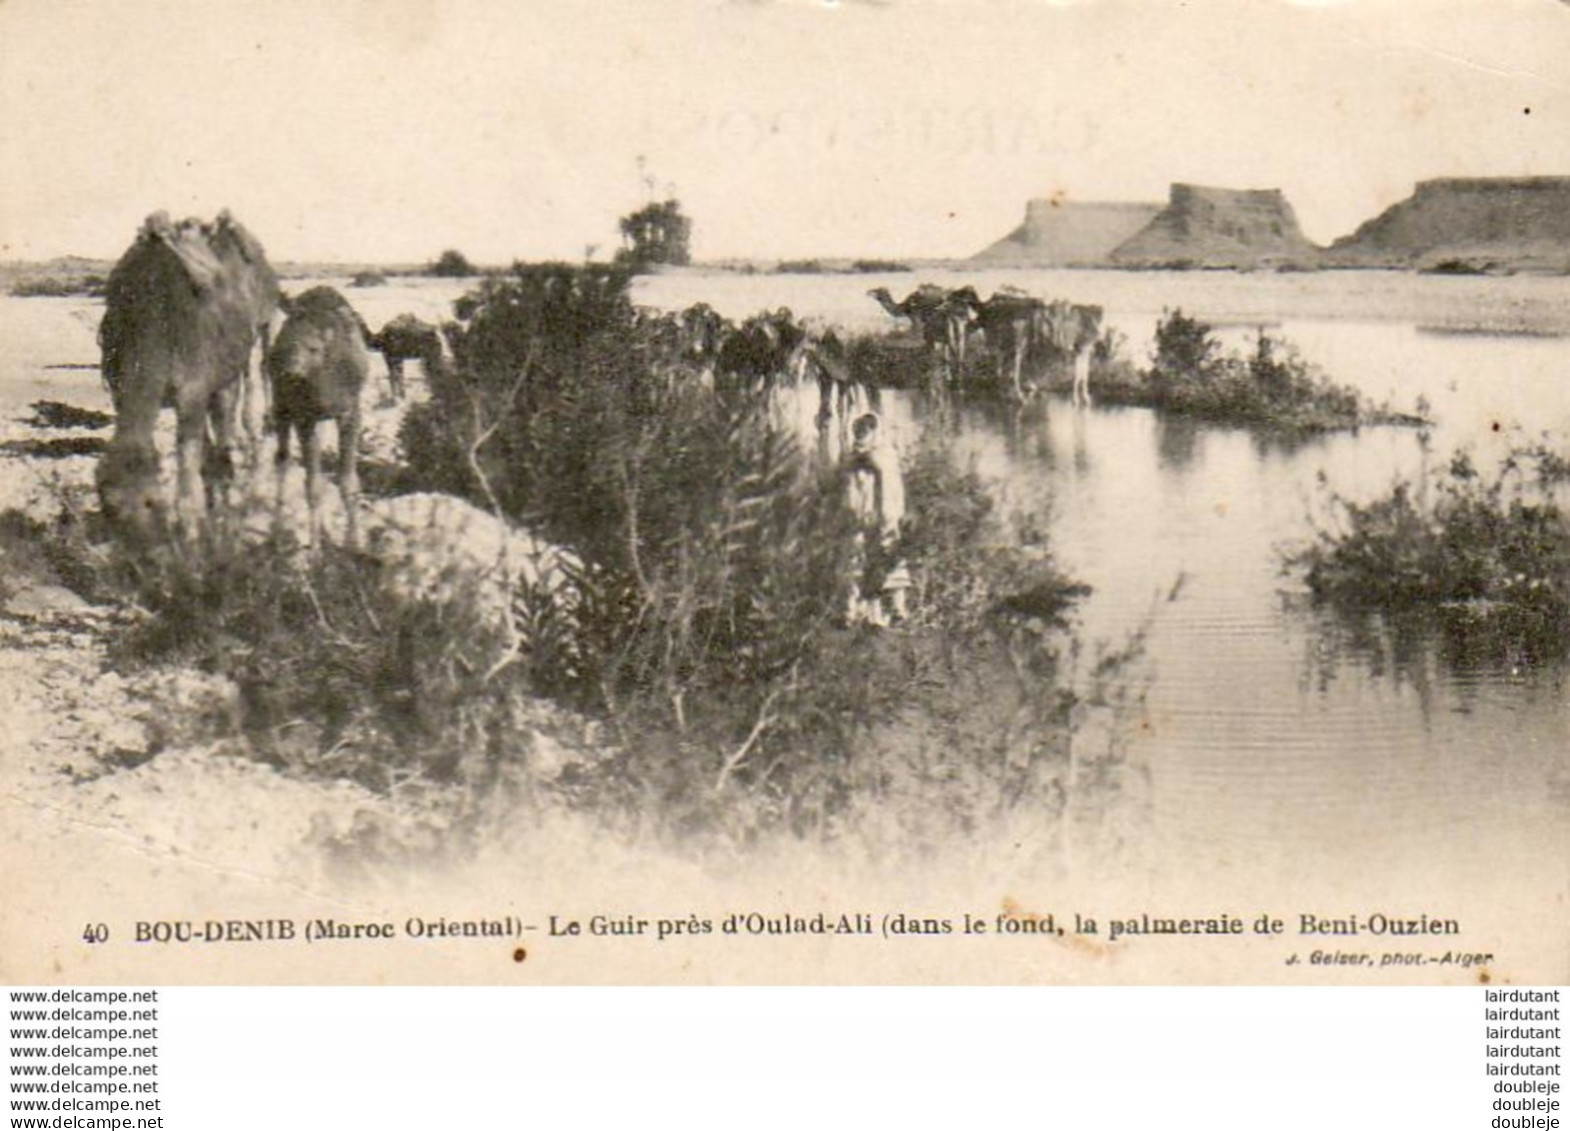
point(1495, 552)
point(716, 559)
point(452, 264)
point(1272, 387)
point(1186, 350)
point(51, 286)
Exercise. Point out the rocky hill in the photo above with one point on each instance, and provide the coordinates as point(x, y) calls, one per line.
point(1219, 227)
point(1467, 224)
point(1067, 233)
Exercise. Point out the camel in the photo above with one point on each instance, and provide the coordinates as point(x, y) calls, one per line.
point(1069, 330)
point(942, 317)
point(763, 349)
point(184, 307)
point(703, 331)
point(318, 367)
point(407, 338)
point(1010, 322)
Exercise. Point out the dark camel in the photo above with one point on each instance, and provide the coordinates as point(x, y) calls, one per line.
point(762, 350)
point(1010, 322)
point(941, 316)
point(318, 367)
point(688, 341)
point(407, 338)
point(703, 331)
point(183, 310)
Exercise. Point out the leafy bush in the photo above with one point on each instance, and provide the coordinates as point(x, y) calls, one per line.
point(1186, 352)
point(1494, 551)
point(1272, 387)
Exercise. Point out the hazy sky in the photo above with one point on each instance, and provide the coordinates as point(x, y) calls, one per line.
point(375, 130)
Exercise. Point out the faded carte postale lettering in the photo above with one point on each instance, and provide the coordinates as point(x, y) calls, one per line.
point(917, 492)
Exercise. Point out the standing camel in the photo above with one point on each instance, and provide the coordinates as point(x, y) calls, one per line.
point(183, 309)
point(761, 351)
point(703, 331)
point(318, 368)
point(1010, 322)
point(942, 317)
point(1070, 331)
point(407, 338)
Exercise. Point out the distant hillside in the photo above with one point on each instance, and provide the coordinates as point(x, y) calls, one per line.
point(1467, 223)
point(1067, 234)
point(1219, 227)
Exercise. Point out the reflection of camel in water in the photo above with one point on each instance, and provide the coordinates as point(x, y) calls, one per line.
point(407, 338)
point(318, 366)
point(942, 317)
point(183, 309)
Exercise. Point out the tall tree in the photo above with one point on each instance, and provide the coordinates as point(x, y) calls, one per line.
point(657, 233)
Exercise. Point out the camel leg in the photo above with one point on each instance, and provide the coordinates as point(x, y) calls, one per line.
point(1019, 365)
point(191, 442)
point(222, 407)
point(395, 377)
point(281, 471)
point(311, 450)
point(1082, 378)
point(256, 400)
point(349, 473)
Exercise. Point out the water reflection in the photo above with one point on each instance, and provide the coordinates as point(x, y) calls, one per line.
point(1468, 648)
point(1177, 442)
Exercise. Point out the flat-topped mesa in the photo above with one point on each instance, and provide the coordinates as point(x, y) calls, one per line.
point(1467, 223)
point(1058, 233)
point(1203, 226)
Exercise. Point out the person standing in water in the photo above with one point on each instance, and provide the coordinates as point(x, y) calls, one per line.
point(875, 491)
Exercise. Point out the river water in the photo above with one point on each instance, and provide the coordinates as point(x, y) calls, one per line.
point(1278, 742)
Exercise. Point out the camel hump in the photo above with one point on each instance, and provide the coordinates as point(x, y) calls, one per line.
point(157, 226)
point(230, 232)
point(200, 248)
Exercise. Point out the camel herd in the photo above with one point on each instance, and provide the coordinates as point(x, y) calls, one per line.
point(189, 303)
point(185, 309)
point(1022, 331)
